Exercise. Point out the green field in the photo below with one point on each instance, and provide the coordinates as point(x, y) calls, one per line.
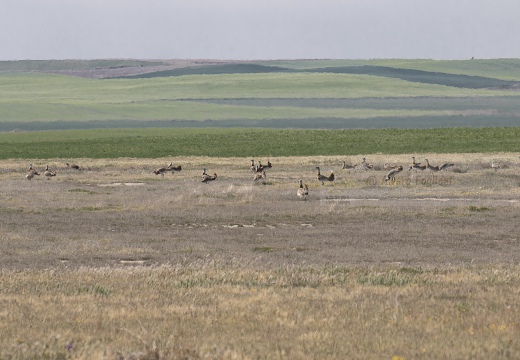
point(319, 94)
point(233, 142)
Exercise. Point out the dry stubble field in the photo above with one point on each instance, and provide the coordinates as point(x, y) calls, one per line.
point(115, 262)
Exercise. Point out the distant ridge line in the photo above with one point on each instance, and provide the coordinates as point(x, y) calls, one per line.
point(420, 76)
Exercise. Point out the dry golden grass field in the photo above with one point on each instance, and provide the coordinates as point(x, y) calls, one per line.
point(115, 262)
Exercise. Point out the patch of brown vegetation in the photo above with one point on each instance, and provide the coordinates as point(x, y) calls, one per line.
point(175, 268)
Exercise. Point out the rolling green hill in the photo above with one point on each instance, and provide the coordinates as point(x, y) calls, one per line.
point(321, 94)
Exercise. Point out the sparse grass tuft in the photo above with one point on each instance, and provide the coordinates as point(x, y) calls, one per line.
point(473, 208)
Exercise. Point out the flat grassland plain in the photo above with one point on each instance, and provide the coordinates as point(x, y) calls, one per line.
point(115, 262)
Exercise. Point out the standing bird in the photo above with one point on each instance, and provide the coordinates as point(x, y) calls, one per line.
point(415, 165)
point(253, 167)
point(495, 165)
point(364, 165)
point(269, 165)
point(48, 173)
point(260, 176)
point(392, 173)
point(324, 178)
point(303, 190)
point(347, 166)
point(31, 172)
point(206, 177)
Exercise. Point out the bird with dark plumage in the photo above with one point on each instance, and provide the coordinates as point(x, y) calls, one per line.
point(430, 167)
point(446, 166)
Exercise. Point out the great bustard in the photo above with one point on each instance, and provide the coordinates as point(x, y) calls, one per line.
point(73, 166)
point(364, 165)
point(347, 166)
point(392, 173)
point(323, 178)
point(260, 167)
point(253, 167)
point(429, 167)
point(415, 165)
point(163, 170)
point(174, 168)
point(303, 190)
point(495, 165)
point(446, 166)
point(259, 176)
point(207, 178)
point(389, 166)
point(31, 172)
point(48, 173)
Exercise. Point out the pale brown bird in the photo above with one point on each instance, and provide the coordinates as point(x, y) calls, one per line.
point(303, 190)
point(48, 173)
point(392, 173)
point(323, 178)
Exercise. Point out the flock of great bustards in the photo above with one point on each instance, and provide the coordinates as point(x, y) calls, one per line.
point(259, 171)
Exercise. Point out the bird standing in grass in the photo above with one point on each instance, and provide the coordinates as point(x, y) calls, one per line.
point(429, 167)
point(322, 178)
point(48, 173)
point(365, 165)
point(259, 176)
point(303, 190)
point(206, 177)
point(415, 165)
point(31, 172)
point(347, 166)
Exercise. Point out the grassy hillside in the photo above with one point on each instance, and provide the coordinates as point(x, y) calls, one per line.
point(152, 143)
point(505, 69)
point(331, 94)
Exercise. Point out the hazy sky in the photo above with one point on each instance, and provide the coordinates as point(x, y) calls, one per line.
point(259, 29)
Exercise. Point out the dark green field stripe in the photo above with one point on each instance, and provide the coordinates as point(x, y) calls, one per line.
point(412, 122)
point(425, 77)
point(421, 76)
point(151, 143)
